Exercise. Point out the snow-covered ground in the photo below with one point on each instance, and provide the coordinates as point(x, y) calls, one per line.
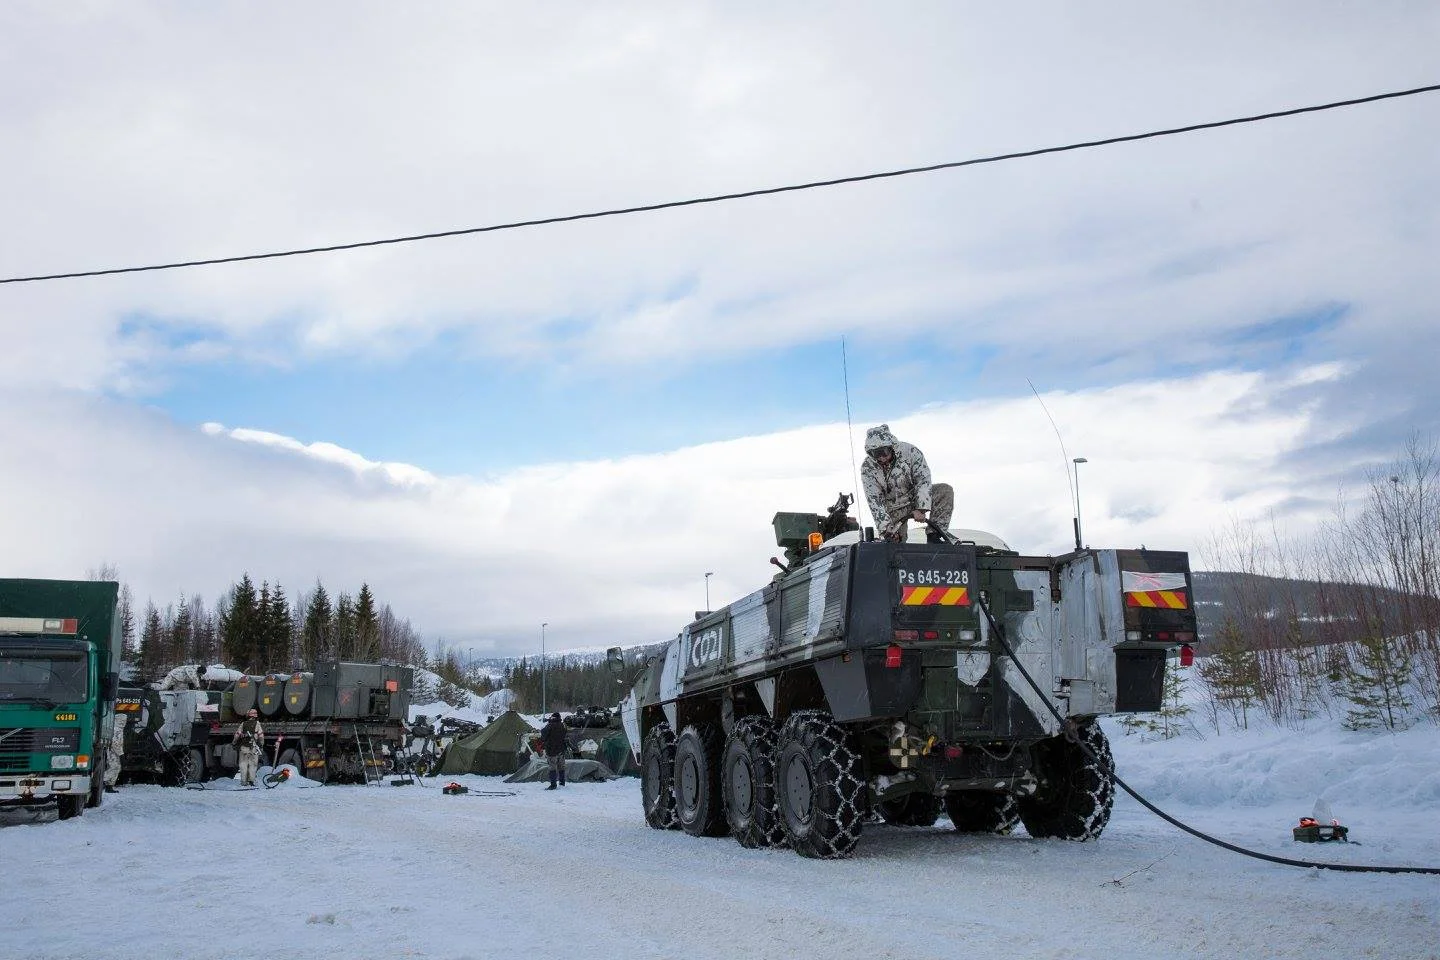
point(518, 871)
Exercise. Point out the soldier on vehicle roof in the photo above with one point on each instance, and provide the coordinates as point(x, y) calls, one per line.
point(897, 485)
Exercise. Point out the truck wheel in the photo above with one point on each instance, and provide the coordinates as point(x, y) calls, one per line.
point(97, 783)
point(821, 788)
point(426, 766)
point(71, 805)
point(980, 811)
point(292, 757)
point(748, 784)
point(1075, 794)
point(657, 777)
point(912, 810)
point(698, 803)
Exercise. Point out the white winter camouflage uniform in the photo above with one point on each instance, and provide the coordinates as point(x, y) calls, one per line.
point(114, 755)
point(251, 738)
point(896, 493)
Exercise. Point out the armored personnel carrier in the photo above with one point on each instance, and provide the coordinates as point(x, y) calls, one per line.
point(887, 678)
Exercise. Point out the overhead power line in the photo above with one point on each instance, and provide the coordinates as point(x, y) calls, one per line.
point(746, 194)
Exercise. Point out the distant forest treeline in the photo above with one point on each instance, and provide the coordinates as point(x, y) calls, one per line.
point(259, 630)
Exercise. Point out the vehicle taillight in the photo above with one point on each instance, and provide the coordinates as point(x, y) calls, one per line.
point(1187, 655)
point(932, 634)
point(903, 635)
point(892, 656)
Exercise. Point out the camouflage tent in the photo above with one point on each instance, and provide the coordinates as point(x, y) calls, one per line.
point(494, 750)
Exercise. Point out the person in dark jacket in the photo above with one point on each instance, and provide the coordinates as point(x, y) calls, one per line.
point(555, 742)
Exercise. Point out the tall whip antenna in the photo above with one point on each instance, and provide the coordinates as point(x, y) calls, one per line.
point(1069, 479)
point(849, 426)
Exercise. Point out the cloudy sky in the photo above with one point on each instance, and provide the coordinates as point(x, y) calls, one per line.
point(573, 424)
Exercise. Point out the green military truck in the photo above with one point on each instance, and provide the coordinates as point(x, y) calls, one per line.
point(887, 679)
point(59, 663)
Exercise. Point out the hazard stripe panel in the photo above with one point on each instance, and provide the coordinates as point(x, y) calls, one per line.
point(1158, 599)
point(935, 596)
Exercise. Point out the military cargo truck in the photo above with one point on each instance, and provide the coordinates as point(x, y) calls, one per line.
point(343, 722)
point(869, 679)
point(59, 663)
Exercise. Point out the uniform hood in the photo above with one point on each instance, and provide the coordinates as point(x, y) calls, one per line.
point(877, 437)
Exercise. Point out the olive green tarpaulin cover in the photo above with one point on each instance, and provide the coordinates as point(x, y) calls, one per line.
point(493, 750)
point(615, 754)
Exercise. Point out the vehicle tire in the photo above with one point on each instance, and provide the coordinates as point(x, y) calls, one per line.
point(912, 810)
point(425, 765)
point(189, 766)
point(980, 811)
point(657, 777)
point(97, 783)
point(71, 804)
point(291, 756)
point(699, 801)
point(747, 778)
point(820, 785)
point(1076, 792)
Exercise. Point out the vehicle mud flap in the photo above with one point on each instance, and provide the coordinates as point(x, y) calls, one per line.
point(859, 686)
point(699, 801)
point(1076, 793)
point(657, 776)
point(748, 784)
point(821, 786)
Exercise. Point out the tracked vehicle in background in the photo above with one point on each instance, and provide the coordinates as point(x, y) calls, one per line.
point(874, 677)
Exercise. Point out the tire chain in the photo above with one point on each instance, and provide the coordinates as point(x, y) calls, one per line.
point(763, 738)
point(1079, 777)
point(666, 818)
point(828, 745)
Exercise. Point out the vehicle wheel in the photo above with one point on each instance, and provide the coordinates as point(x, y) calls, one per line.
point(980, 811)
point(71, 805)
point(97, 783)
point(657, 777)
point(821, 788)
point(912, 810)
point(748, 784)
point(698, 799)
point(425, 765)
point(292, 757)
point(1076, 792)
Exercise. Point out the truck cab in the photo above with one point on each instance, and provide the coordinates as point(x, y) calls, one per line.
point(58, 658)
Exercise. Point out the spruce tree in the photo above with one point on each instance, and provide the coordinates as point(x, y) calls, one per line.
point(344, 627)
point(152, 646)
point(1376, 684)
point(237, 627)
point(367, 626)
point(278, 627)
point(182, 632)
point(129, 645)
point(1232, 673)
point(315, 636)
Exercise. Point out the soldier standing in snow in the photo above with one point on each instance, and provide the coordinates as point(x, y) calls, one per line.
point(554, 739)
point(115, 754)
point(897, 485)
point(250, 738)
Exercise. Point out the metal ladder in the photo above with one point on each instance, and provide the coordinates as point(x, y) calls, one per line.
point(369, 766)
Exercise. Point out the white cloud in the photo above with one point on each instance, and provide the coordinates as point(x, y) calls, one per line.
point(612, 550)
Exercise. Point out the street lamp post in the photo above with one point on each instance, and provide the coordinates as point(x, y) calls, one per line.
point(1077, 461)
point(542, 667)
point(707, 590)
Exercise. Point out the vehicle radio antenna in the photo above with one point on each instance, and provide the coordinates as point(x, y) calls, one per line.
point(1065, 459)
point(849, 426)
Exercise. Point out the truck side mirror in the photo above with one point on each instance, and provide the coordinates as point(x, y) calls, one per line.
point(615, 659)
point(109, 686)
